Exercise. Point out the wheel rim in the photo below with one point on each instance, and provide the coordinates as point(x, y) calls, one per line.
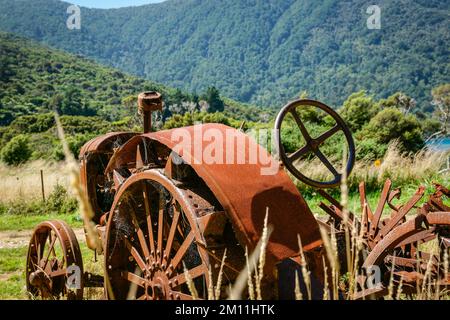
point(53, 248)
point(312, 145)
point(148, 263)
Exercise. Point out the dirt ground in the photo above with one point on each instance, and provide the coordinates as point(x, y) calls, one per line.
point(18, 239)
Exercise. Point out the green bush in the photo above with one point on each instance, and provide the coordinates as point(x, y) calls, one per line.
point(391, 124)
point(60, 202)
point(358, 109)
point(370, 149)
point(16, 151)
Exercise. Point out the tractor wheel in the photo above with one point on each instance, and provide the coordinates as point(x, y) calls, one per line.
point(155, 237)
point(53, 256)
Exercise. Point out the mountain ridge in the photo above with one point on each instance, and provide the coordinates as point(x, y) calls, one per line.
point(263, 52)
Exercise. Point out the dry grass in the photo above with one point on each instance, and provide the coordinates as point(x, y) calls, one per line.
point(401, 168)
point(24, 182)
point(252, 274)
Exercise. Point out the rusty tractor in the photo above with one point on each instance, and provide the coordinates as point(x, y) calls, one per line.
point(160, 217)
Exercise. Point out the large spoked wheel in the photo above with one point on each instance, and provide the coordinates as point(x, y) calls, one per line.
point(313, 144)
point(152, 238)
point(52, 251)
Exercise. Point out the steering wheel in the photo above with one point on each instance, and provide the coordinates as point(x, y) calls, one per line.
point(313, 144)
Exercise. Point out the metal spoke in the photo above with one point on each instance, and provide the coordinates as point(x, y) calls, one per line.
point(51, 246)
point(193, 273)
point(160, 224)
point(182, 250)
point(379, 210)
point(133, 278)
point(136, 255)
point(50, 250)
point(140, 235)
point(321, 139)
point(326, 162)
point(149, 218)
point(38, 249)
point(300, 152)
point(173, 228)
point(58, 273)
point(300, 124)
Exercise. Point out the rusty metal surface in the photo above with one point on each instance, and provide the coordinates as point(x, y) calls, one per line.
point(244, 193)
point(395, 237)
point(104, 142)
point(393, 240)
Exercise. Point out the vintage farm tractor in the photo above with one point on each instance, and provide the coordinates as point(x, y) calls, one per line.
point(161, 210)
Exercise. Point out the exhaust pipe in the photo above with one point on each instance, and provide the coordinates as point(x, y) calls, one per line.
point(148, 102)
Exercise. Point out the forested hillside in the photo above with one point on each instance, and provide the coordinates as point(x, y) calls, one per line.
point(36, 80)
point(260, 51)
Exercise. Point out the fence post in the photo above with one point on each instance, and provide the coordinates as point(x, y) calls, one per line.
point(42, 185)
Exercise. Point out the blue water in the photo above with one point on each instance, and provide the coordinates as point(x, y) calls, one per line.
point(441, 144)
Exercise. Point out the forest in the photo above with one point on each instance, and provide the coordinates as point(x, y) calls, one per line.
point(264, 52)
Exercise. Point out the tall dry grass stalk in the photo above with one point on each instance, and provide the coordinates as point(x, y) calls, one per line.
point(254, 262)
point(345, 210)
point(214, 291)
point(86, 212)
point(304, 267)
point(251, 289)
point(220, 277)
point(326, 286)
point(329, 242)
point(259, 273)
point(298, 292)
point(190, 283)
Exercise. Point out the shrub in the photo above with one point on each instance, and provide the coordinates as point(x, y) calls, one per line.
point(16, 151)
point(358, 109)
point(370, 149)
point(391, 124)
point(60, 202)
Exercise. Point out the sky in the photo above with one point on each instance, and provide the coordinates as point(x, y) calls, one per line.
point(106, 4)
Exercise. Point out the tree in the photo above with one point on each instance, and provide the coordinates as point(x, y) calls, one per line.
point(441, 99)
point(16, 151)
point(212, 97)
point(391, 124)
point(398, 100)
point(358, 109)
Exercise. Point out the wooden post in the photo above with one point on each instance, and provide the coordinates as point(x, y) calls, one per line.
point(42, 185)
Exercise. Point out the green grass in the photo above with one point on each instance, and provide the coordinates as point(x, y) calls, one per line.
point(12, 270)
point(15, 222)
point(12, 273)
point(314, 199)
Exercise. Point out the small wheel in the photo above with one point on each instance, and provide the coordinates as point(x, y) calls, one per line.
point(52, 253)
point(152, 237)
point(313, 144)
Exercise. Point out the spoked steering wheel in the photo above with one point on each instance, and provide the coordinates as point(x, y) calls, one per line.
point(313, 144)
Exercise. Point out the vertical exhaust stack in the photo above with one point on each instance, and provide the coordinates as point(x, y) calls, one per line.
point(149, 102)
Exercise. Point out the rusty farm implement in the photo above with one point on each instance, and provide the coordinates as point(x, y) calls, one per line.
point(161, 214)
